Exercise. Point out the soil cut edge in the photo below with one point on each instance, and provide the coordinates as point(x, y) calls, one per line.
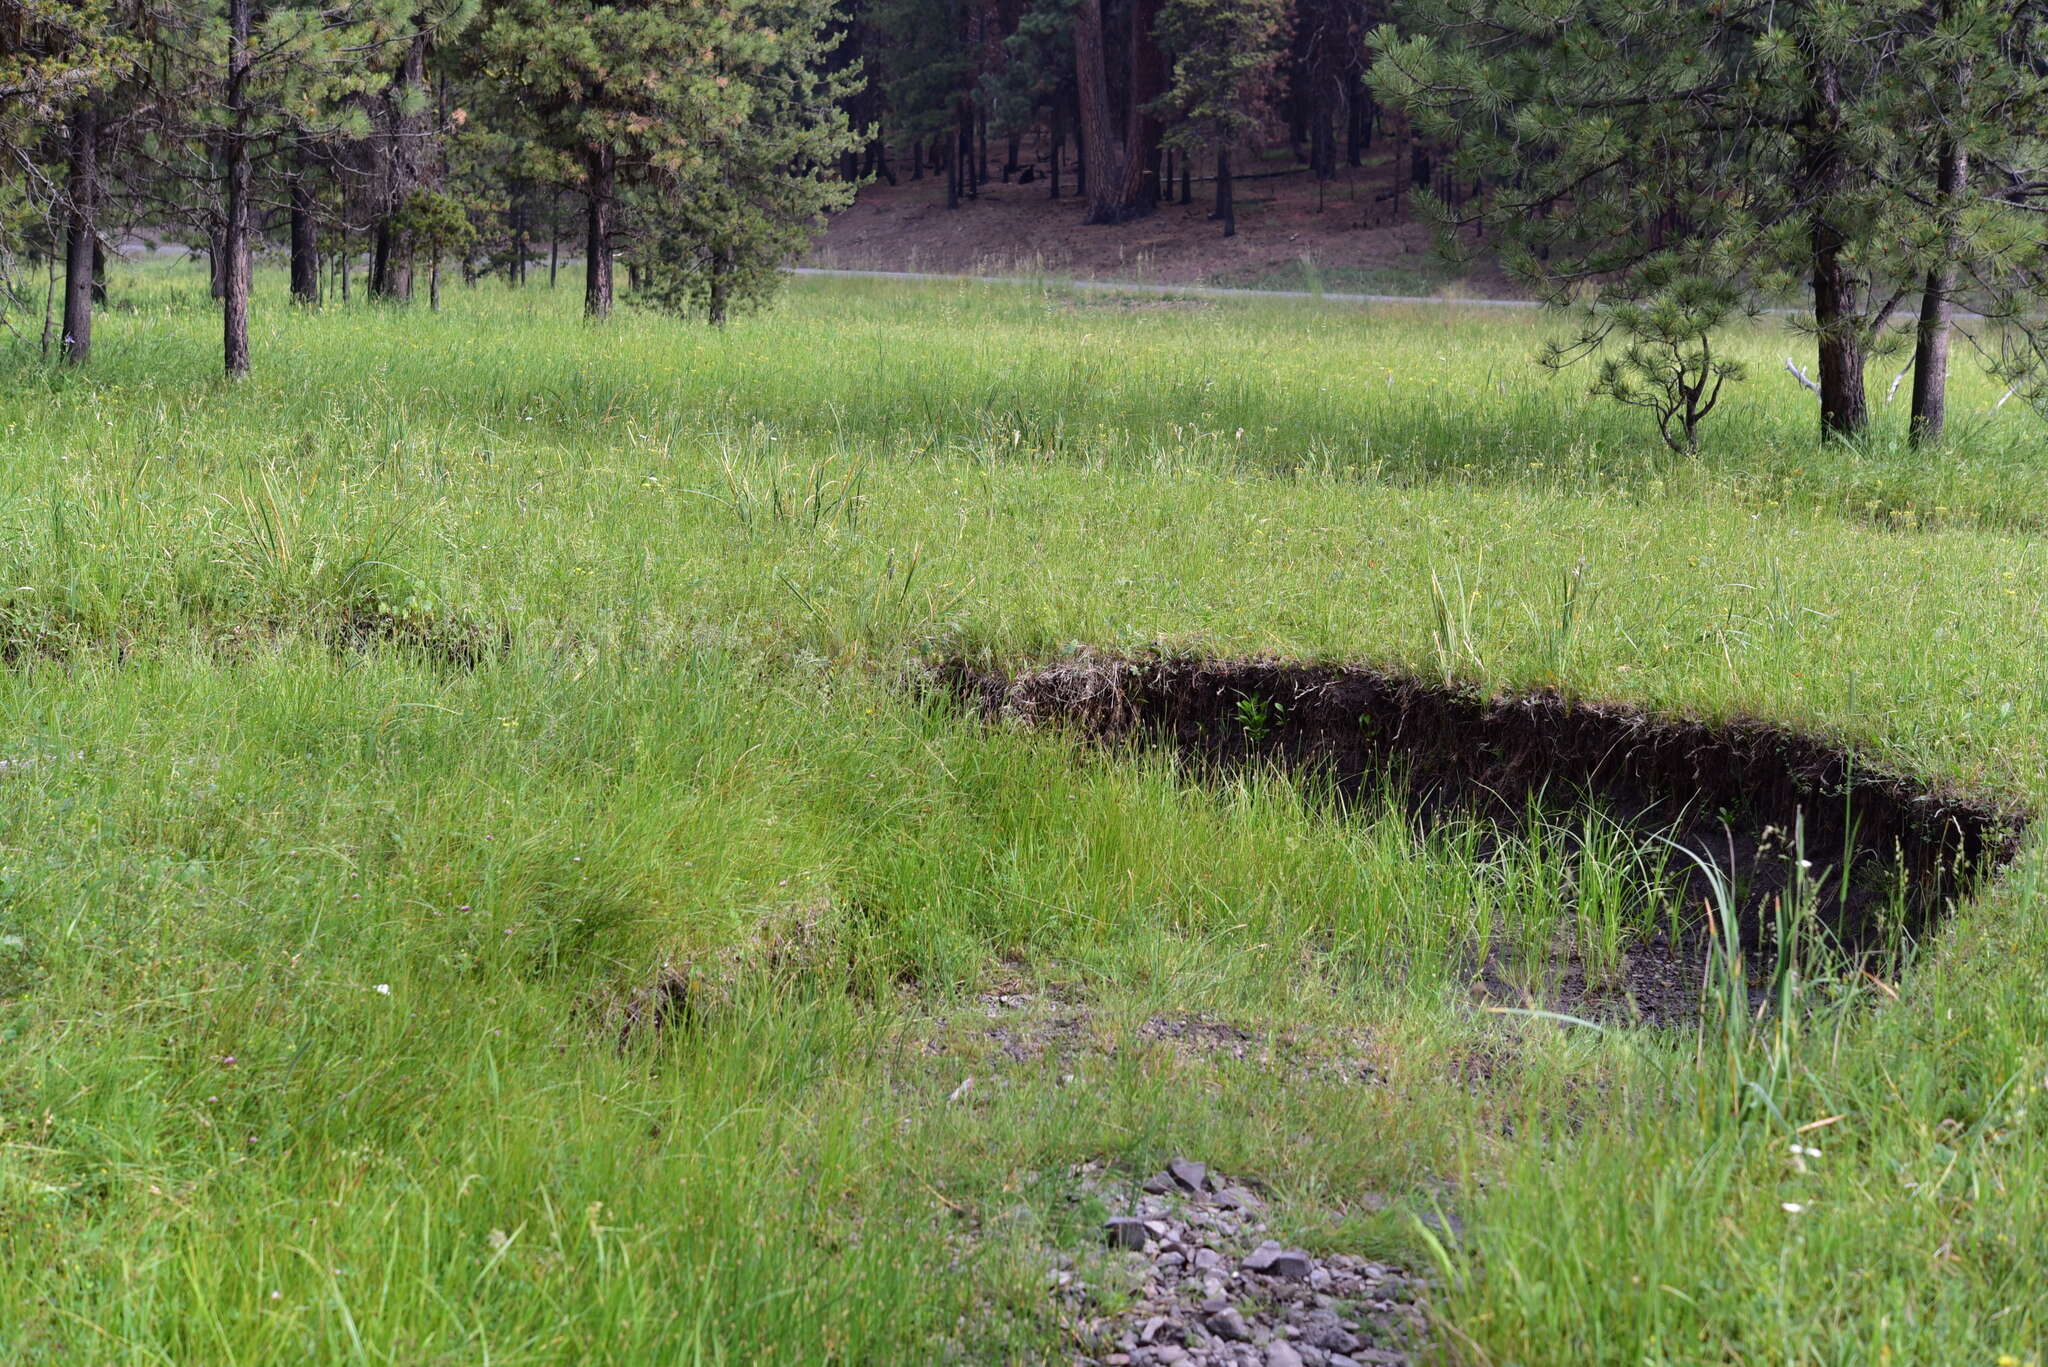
point(1733, 791)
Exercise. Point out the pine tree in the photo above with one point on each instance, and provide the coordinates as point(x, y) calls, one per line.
point(1774, 145)
point(719, 225)
point(1977, 191)
point(625, 96)
point(58, 63)
point(927, 75)
point(1036, 76)
point(1224, 54)
point(238, 83)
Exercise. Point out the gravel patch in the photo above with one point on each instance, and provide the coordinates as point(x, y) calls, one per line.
point(1213, 1289)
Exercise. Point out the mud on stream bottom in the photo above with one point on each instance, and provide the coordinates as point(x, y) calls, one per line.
point(1888, 853)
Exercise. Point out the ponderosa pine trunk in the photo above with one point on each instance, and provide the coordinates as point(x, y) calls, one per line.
point(1059, 146)
point(517, 275)
point(1101, 157)
point(1358, 123)
point(1226, 202)
point(305, 244)
point(721, 288)
point(404, 149)
point(1838, 325)
point(235, 232)
point(1138, 190)
point(599, 164)
point(82, 193)
point(1937, 310)
point(1937, 301)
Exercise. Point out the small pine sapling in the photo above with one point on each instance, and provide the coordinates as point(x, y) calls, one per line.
point(1667, 362)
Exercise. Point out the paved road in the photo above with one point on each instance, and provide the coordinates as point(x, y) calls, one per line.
point(1204, 291)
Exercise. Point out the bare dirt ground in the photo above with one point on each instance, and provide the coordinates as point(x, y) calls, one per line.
point(1292, 233)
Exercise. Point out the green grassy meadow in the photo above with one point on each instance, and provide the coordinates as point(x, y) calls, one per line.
point(373, 730)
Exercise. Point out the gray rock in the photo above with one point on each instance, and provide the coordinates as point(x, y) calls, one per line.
point(1159, 1184)
point(1274, 1261)
point(1326, 1331)
point(1124, 1231)
point(1238, 1198)
point(1160, 1329)
point(1280, 1353)
point(1192, 1176)
point(1227, 1323)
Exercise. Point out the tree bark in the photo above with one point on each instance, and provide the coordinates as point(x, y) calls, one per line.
point(1937, 302)
point(1059, 146)
point(518, 272)
point(404, 146)
point(1226, 200)
point(1101, 157)
point(1937, 310)
point(1844, 410)
point(82, 192)
point(305, 243)
point(721, 271)
point(235, 232)
point(1358, 126)
point(1138, 192)
point(599, 164)
point(970, 182)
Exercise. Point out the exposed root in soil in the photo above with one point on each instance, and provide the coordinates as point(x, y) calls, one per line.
point(1749, 796)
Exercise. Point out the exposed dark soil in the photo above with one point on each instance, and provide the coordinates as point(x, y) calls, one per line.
point(450, 640)
point(1733, 792)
